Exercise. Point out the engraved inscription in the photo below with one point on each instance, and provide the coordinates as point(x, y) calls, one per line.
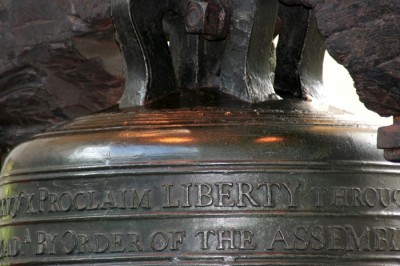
point(11, 206)
point(230, 195)
point(91, 200)
point(166, 196)
point(368, 197)
point(307, 237)
point(161, 241)
point(10, 247)
point(217, 196)
point(47, 201)
point(72, 242)
point(316, 238)
point(226, 239)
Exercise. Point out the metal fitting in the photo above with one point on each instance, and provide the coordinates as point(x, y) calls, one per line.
point(389, 140)
point(207, 18)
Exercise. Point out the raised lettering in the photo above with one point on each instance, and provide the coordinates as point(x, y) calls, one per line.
point(134, 244)
point(206, 195)
point(45, 243)
point(109, 201)
point(30, 209)
point(226, 237)
point(80, 201)
point(244, 191)
point(167, 198)
point(186, 201)
point(268, 193)
point(317, 234)
point(356, 197)
point(246, 239)
point(335, 233)
point(279, 237)
point(384, 202)
point(361, 242)
point(91, 204)
point(141, 202)
point(339, 195)
point(224, 193)
point(54, 206)
point(42, 197)
point(177, 239)
point(159, 241)
point(292, 193)
point(301, 243)
point(394, 243)
point(371, 197)
point(318, 197)
point(117, 243)
point(83, 243)
point(101, 243)
point(381, 238)
point(204, 235)
point(65, 201)
point(41, 243)
point(69, 242)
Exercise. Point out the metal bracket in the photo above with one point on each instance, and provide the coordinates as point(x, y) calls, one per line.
point(389, 140)
point(300, 54)
point(148, 63)
point(192, 44)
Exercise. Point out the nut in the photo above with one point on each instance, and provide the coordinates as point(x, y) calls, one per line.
point(389, 140)
point(206, 18)
point(196, 17)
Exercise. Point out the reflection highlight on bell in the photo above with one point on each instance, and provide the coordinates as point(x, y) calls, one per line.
point(270, 139)
point(173, 136)
point(176, 140)
point(153, 133)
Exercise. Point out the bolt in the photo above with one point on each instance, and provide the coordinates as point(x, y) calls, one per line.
point(195, 17)
point(206, 18)
point(389, 140)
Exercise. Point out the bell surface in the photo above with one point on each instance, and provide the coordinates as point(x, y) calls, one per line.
point(285, 182)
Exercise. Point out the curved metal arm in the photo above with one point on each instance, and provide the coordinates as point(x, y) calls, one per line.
point(300, 54)
point(246, 69)
point(148, 64)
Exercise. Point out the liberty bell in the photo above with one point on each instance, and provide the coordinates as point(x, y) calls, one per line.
point(217, 154)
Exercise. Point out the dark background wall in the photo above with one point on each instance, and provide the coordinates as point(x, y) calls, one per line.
point(58, 60)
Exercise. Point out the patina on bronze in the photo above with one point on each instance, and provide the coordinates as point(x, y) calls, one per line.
point(200, 177)
point(280, 183)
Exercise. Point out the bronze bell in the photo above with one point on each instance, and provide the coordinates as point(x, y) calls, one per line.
point(229, 174)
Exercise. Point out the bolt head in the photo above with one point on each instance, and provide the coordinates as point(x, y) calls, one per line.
point(389, 140)
point(206, 18)
point(389, 137)
point(195, 19)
